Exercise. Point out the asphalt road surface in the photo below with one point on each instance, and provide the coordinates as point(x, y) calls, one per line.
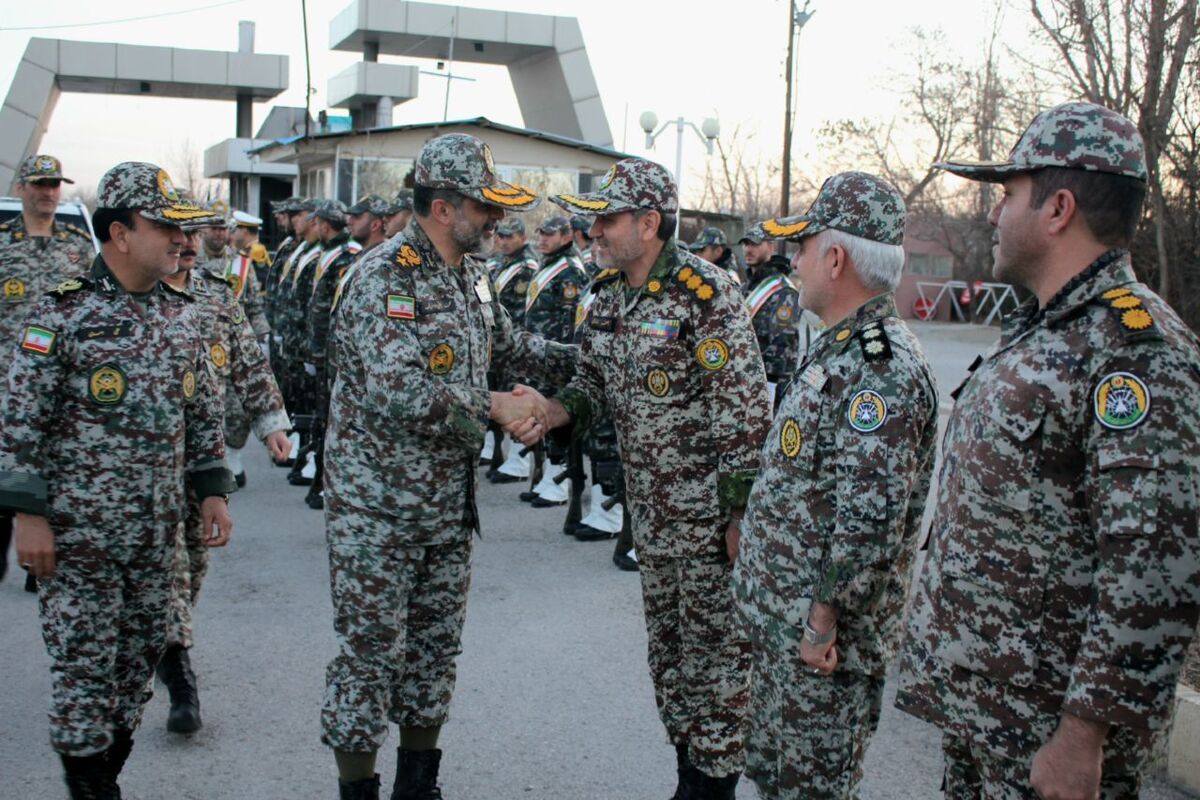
point(554, 701)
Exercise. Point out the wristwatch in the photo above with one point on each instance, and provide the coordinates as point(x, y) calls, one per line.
point(813, 637)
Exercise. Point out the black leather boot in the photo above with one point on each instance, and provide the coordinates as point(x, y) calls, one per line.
point(6, 521)
point(175, 671)
point(707, 787)
point(87, 778)
point(417, 775)
point(116, 756)
point(681, 764)
point(365, 789)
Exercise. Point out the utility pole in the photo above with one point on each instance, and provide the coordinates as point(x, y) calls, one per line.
point(796, 20)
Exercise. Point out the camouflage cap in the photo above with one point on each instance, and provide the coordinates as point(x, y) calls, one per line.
point(370, 204)
point(41, 168)
point(309, 206)
point(148, 189)
point(510, 226)
point(632, 183)
point(329, 210)
point(293, 205)
point(580, 223)
point(403, 202)
point(1082, 136)
point(464, 163)
point(856, 203)
point(709, 236)
point(556, 224)
point(754, 234)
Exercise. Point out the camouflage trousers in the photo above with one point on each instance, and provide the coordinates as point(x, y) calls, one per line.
point(806, 735)
point(103, 624)
point(191, 565)
point(398, 615)
point(699, 661)
point(975, 773)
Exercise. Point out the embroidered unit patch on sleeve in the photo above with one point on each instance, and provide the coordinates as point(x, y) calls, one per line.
point(790, 438)
point(712, 354)
point(189, 384)
point(38, 340)
point(107, 385)
point(867, 411)
point(1121, 401)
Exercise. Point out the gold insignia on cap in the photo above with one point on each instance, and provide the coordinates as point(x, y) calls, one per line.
point(773, 227)
point(608, 178)
point(166, 188)
point(842, 335)
point(1113, 294)
point(441, 359)
point(45, 164)
point(106, 385)
point(488, 161)
point(184, 212)
point(790, 438)
point(1128, 301)
point(658, 382)
point(585, 204)
point(514, 196)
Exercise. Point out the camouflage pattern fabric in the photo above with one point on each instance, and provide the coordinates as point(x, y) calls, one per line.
point(675, 365)
point(972, 771)
point(856, 203)
point(189, 568)
point(709, 236)
point(30, 266)
point(272, 302)
point(149, 189)
point(699, 664)
point(402, 202)
point(297, 287)
point(678, 368)
point(835, 518)
point(110, 404)
point(553, 293)
point(774, 305)
point(512, 278)
point(38, 168)
point(1062, 573)
point(371, 204)
point(464, 163)
point(385, 670)
point(630, 184)
point(1072, 136)
point(806, 735)
point(415, 339)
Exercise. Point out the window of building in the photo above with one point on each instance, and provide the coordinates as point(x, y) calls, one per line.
point(381, 176)
point(931, 266)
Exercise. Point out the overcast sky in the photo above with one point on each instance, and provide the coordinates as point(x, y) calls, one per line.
point(672, 58)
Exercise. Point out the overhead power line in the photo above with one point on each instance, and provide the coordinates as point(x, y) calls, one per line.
point(118, 21)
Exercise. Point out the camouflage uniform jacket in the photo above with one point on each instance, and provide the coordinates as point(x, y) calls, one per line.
point(339, 254)
point(295, 291)
point(676, 365)
point(30, 266)
point(1063, 572)
point(512, 278)
point(241, 269)
point(553, 294)
point(775, 309)
point(110, 401)
point(410, 402)
point(240, 366)
point(835, 514)
point(343, 285)
point(270, 302)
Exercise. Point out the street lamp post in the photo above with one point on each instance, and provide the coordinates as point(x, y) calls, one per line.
point(708, 132)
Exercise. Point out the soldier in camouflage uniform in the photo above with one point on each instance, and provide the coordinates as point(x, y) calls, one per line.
point(550, 310)
point(339, 253)
point(713, 246)
point(215, 243)
point(285, 319)
point(515, 267)
point(833, 522)
point(36, 254)
point(296, 284)
point(399, 213)
point(111, 410)
point(580, 225)
point(288, 209)
point(1062, 583)
point(244, 381)
point(417, 331)
point(774, 308)
point(669, 351)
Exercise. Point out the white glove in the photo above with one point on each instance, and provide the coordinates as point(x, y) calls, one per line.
point(266, 348)
point(311, 369)
point(278, 340)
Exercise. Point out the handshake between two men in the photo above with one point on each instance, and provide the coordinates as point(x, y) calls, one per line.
point(526, 414)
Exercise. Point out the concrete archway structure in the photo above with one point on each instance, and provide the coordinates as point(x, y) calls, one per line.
point(546, 56)
point(52, 66)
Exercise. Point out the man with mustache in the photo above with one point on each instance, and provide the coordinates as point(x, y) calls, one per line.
point(417, 331)
point(112, 410)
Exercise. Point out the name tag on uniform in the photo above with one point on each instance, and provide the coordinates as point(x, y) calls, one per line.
point(482, 290)
point(814, 375)
point(607, 324)
point(436, 306)
point(114, 331)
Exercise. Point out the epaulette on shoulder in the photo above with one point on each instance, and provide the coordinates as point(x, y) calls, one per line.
point(171, 290)
point(69, 287)
point(697, 279)
point(874, 343)
point(1129, 312)
point(258, 253)
point(78, 231)
point(4, 226)
point(605, 275)
point(407, 256)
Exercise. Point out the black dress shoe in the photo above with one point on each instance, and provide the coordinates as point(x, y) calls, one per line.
point(315, 501)
point(500, 477)
point(540, 502)
point(287, 463)
point(528, 497)
point(30, 583)
point(625, 563)
point(299, 480)
point(586, 533)
point(240, 480)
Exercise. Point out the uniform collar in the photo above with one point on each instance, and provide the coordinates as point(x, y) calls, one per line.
point(101, 277)
point(524, 254)
point(868, 314)
point(415, 235)
point(1111, 269)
